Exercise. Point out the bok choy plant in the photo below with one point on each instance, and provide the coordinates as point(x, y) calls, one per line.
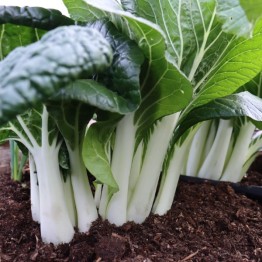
point(197, 54)
point(63, 92)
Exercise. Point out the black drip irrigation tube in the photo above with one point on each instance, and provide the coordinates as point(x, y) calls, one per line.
point(254, 192)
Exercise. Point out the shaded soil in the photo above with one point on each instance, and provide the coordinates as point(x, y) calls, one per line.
point(206, 223)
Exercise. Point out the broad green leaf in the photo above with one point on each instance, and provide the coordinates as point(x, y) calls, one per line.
point(21, 26)
point(95, 94)
point(13, 36)
point(253, 9)
point(117, 88)
point(96, 152)
point(254, 86)
point(79, 10)
point(162, 82)
point(122, 77)
point(240, 62)
point(234, 18)
point(35, 17)
point(235, 105)
point(32, 74)
point(195, 39)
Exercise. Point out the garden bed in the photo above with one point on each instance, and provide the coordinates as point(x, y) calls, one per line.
point(207, 223)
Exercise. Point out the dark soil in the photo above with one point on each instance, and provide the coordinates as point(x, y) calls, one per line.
point(206, 223)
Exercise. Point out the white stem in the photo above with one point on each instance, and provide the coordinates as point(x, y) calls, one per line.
point(103, 202)
point(167, 190)
point(214, 163)
point(84, 200)
point(98, 194)
point(210, 139)
point(196, 149)
point(233, 169)
point(34, 190)
point(121, 165)
point(56, 226)
point(141, 201)
point(135, 170)
point(70, 200)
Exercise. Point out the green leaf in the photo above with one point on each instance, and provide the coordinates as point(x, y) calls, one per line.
point(79, 10)
point(162, 82)
point(117, 89)
point(254, 86)
point(234, 18)
point(96, 95)
point(21, 26)
point(34, 17)
point(240, 62)
point(96, 152)
point(32, 74)
point(122, 77)
point(253, 9)
point(235, 105)
point(13, 36)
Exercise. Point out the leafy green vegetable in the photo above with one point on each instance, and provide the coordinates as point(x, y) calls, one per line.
point(34, 17)
point(32, 74)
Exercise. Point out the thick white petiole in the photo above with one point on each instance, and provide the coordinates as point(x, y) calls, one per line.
point(56, 226)
point(169, 181)
point(196, 149)
point(232, 171)
point(121, 165)
point(34, 190)
point(141, 201)
point(84, 200)
point(213, 165)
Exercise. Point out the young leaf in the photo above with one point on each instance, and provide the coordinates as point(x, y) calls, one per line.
point(96, 152)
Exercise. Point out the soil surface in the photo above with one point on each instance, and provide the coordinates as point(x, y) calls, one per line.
point(206, 223)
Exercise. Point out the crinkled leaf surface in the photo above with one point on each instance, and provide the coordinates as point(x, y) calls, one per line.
point(32, 74)
point(21, 26)
point(35, 17)
point(117, 89)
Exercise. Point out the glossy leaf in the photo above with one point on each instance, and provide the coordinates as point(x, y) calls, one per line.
point(123, 76)
point(34, 17)
point(31, 74)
